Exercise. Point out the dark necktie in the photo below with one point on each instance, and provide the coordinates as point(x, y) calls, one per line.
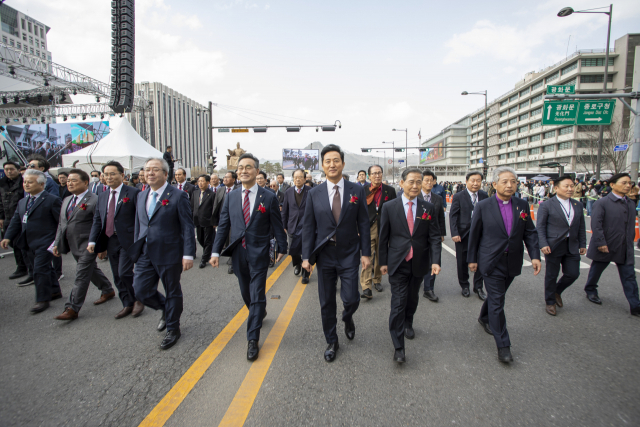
point(336, 208)
point(111, 211)
point(71, 206)
point(32, 200)
point(245, 212)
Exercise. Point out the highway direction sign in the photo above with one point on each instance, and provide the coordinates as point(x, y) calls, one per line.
point(559, 113)
point(239, 130)
point(597, 112)
point(561, 89)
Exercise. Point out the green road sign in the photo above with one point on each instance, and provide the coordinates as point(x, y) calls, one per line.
point(223, 130)
point(597, 112)
point(561, 89)
point(559, 113)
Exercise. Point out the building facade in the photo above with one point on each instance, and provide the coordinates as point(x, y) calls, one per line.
point(23, 32)
point(447, 153)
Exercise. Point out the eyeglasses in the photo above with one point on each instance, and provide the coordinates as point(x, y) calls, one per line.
point(375, 173)
point(31, 166)
point(247, 168)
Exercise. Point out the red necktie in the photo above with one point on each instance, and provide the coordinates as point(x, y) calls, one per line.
point(111, 211)
point(144, 187)
point(180, 186)
point(410, 223)
point(245, 211)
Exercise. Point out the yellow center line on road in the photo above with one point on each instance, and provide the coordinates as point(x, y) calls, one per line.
point(239, 408)
point(170, 402)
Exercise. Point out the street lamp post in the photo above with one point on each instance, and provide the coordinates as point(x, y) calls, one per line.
point(393, 162)
point(566, 11)
point(485, 149)
point(406, 145)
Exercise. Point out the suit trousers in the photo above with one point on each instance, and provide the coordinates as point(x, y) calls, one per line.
point(57, 266)
point(253, 283)
point(44, 276)
point(21, 264)
point(463, 266)
point(627, 276)
point(492, 310)
point(205, 237)
point(329, 268)
point(405, 289)
point(87, 271)
point(372, 275)
point(122, 270)
point(145, 286)
point(429, 282)
point(570, 271)
point(296, 260)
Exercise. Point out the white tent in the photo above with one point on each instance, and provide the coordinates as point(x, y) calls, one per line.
point(123, 145)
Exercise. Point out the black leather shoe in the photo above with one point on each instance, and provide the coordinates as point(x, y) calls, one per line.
point(431, 296)
point(594, 299)
point(170, 339)
point(297, 269)
point(409, 333)
point(378, 287)
point(39, 307)
point(367, 294)
point(264, 315)
point(504, 355)
point(203, 264)
point(486, 327)
point(230, 269)
point(331, 351)
point(350, 329)
point(465, 292)
point(252, 350)
point(635, 312)
point(26, 282)
point(305, 279)
point(18, 274)
point(398, 356)
point(480, 294)
point(271, 264)
point(163, 324)
point(57, 295)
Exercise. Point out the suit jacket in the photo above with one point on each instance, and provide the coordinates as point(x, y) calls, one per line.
point(280, 196)
point(96, 187)
point(169, 233)
point(553, 227)
point(437, 201)
point(42, 223)
point(488, 237)
point(388, 193)
point(124, 219)
point(218, 202)
point(440, 191)
point(613, 225)
point(139, 185)
point(284, 187)
point(461, 212)
point(352, 231)
point(188, 187)
point(10, 195)
point(256, 232)
point(168, 157)
point(293, 217)
point(64, 192)
point(202, 211)
point(51, 186)
point(73, 234)
point(396, 240)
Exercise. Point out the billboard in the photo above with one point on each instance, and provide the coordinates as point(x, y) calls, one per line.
point(293, 158)
point(433, 153)
point(53, 140)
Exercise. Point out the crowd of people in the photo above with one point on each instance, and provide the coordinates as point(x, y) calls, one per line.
point(147, 227)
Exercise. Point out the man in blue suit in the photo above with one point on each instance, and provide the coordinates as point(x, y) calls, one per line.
point(295, 202)
point(248, 214)
point(164, 244)
point(499, 227)
point(336, 235)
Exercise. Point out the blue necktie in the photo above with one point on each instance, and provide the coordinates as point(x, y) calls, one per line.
point(152, 206)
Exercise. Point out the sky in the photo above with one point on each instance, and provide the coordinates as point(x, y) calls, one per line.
point(374, 65)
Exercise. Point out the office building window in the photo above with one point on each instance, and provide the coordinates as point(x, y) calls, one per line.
point(548, 148)
point(513, 98)
point(502, 146)
point(584, 143)
point(474, 127)
point(595, 62)
point(24, 27)
point(534, 163)
point(514, 120)
point(30, 40)
point(537, 86)
point(571, 82)
point(536, 98)
point(19, 45)
point(566, 131)
point(524, 92)
point(504, 113)
point(503, 124)
point(512, 132)
point(522, 141)
point(11, 42)
point(30, 27)
point(536, 111)
point(31, 50)
point(512, 144)
point(524, 104)
point(534, 125)
point(570, 68)
point(548, 135)
point(523, 129)
point(511, 155)
point(598, 78)
point(534, 151)
point(42, 32)
point(505, 102)
point(502, 135)
point(565, 145)
point(523, 116)
point(522, 153)
point(520, 165)
point(502, 156)
point(24, 36)
point(513, 109)
point(4, 40)
point(37, 44)
point(535, 138)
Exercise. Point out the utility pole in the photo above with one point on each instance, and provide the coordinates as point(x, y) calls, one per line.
point(210, 130)
point(604, 90)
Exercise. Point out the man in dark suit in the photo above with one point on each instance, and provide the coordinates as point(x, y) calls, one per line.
point(62, 179)
point(74, 227)
point(613, 226)
point(96, 186)
point(229, 181)
point(427, 194)
point(168, 157)
point(246, 219)
point(279, 194)
point(282, 186)
point(562, 239)
point(11, 192)
point(362, 179)
point(410, 246)
point(295, 202)
point(182, 184)
point(164, 244)
point(112, 231)
point(336, 236)
point(142, 183)
point(33, 229)
point(377, 194)
point(460, 216)
point(202, 207)
point(500, 226)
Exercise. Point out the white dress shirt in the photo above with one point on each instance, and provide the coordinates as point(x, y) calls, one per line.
point(79, 197)
point(159, 199)
point(252, 201)
point(332, 191)
point(567, 208)
point(471, 194)
point(405, 204)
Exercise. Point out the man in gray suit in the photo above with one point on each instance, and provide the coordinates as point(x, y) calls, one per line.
point(76, 219)
point(562, 237)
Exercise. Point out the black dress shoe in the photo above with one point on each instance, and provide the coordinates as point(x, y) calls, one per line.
point(486, 327)
point(252, 350)
point(431, 296)
point(594, 298)
point(203, 264)
point(331, 351)
point(465, 292)
point(504, 355)
point(264, 315)
point(398, 356)
point(305, 279)
point(480, 294)
point(350, 329)
point(57, 295)
point(39, 307)
point(170, 339)
point(367, 294)
point(26, 282)
point(409, 333)
point(297, 269)
point(635, 311)
point(163, 324)
point(17, 274)
point(378, 287)
point(230, 269)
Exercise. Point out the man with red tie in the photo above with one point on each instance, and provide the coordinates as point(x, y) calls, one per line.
point(182, 184)
point(229, 181)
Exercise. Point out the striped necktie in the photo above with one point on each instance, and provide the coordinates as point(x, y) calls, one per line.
point(246, 213)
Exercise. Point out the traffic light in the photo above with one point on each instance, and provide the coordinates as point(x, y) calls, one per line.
point(366, 150)
point(213, 161)
point(399, 150)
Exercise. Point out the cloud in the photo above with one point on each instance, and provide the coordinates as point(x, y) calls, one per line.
point(398, 111)
point(192, 22)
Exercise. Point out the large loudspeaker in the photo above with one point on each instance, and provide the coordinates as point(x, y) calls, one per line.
point(122, 55)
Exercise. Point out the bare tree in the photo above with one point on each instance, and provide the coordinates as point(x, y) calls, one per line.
point(613, 135)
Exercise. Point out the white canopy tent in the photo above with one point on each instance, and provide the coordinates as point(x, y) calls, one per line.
point(123, 145)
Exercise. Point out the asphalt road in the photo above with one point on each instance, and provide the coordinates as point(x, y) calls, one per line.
point(579, 368)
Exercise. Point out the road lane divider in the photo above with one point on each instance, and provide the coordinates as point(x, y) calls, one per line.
point(170, 402)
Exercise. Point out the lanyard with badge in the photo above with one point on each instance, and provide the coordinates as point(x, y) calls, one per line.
point(568, 215)
point(29, 207)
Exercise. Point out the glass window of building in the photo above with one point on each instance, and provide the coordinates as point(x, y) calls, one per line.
point(520, 166)
point(598, 78)
point(595, 62)
point(523, 129)
point(522, 141)
point(537, 86)
point(524, 92)
point(512, 144)
point(534, 151)
point(30, 40)
point(548, 148)
point(536, 111)
point(524, 104)
point(513, 97)
point(512, 132)
point(504, 113)
point(511, 155)
point(569, 68)
point(571, 82)
point(30, 27)
point(502, 146)
point(566, 131)
point(583, 143)
point(534, 163)
point(502, 135)
point(565, 145)
point(505, 102)
point(41, 32)
point(503, 124)
point(522, 153)
point(534, 125)
point(523, 116)
point(535, 138)
point(553, 77)
point(19, 45)
point(550, 134)
point(4, 39)
point(502, 157)
point(24, 25)
point(514, 120)
point(513, 109)
point(536, 98)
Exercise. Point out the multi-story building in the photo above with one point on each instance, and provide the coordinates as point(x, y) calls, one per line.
point(23, 32)
point(175, 121)
point(447, 154)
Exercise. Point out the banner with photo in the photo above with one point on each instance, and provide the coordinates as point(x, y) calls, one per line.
point(293, 158)
point(433, 153)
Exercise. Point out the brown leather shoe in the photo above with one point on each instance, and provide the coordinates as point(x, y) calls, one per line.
point(69, 314)
point(104, 298)
point(551, 309)
point(558, 300)
point(138, 308)
point(124, 312)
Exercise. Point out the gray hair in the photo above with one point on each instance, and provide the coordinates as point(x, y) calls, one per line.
point(502, 169)
point(252, 157)
point(163, 162)
point(406, 172)
point(41, 178)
